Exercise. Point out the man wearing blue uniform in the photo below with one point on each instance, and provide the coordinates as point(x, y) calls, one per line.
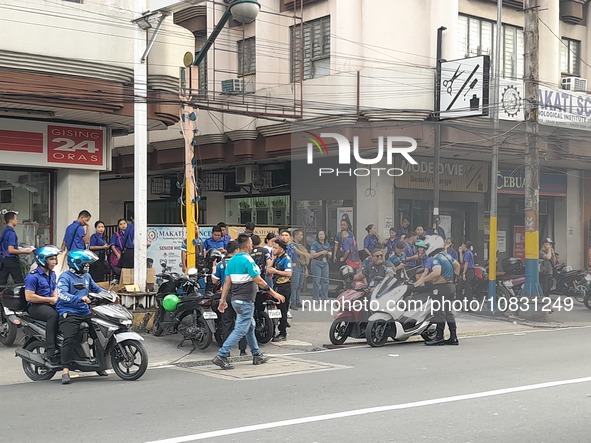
point(411, 251)
point(441, 270)
point(41, 295)
point(77, 233)
point(9, 251)
point(281, 270)
point(398, 258)
point(229, 315)
point(72, 304)
point(242, 277)
point(215, 241)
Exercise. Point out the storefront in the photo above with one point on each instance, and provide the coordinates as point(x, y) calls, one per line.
point(49, 173)
point(463, 187)
point(511, 204)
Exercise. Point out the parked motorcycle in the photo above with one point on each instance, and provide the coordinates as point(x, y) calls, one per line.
point(193, 318)
point(351, 320)
point(571, 283)
point(266, 317)
point(399, 311)
point(9, 322)
point(587, 299)
point(105, 341)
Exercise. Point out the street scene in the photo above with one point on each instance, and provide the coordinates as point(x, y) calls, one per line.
point(295, 220)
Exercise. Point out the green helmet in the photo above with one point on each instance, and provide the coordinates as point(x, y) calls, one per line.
point(170, 302)
point(422, 244)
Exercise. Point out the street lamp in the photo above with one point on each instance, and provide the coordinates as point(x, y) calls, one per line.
point(243, 11)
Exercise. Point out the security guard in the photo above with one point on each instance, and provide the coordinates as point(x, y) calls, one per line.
point(441, 269)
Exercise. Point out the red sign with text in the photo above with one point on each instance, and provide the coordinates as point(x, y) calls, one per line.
point(75, 145)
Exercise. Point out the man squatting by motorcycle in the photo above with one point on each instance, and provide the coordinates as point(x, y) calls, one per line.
point(242, 277)
point(440, 270)
point(73, 287)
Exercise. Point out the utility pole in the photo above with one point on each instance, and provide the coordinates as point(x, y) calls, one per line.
point(492, 243)
point(188, 124)
point(532, 286)
point(437, 138)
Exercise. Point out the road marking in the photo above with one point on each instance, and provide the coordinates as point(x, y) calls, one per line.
point(365, 411)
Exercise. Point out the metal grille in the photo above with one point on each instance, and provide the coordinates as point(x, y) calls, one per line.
point(160, 186)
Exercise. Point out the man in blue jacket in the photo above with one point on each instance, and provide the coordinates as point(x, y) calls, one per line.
point(72, 304)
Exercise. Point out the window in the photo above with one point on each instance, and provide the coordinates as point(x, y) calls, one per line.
point(310, 49)
point(477, 37)
point(200, 40)
point(247, 62)
point(570, 57)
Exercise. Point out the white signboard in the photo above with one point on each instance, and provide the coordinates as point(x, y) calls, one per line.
point(464, 88)
point(166, 244)
point(511, 97)
point(501, 241)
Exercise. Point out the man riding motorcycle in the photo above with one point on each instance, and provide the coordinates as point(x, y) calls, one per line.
point(41, 295)
point(377, 269)
point(73, 288)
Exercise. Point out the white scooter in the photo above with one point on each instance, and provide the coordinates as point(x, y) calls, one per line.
point(399, 311)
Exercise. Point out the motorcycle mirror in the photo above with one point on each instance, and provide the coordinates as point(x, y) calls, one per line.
point(80, 286)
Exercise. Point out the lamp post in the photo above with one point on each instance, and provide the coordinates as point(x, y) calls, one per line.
point(243, 11)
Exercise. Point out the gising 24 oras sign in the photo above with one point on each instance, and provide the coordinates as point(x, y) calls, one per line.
point(47, 144)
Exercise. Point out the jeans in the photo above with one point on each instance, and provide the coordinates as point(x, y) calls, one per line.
point(228, 324)
point(297, 282)
point(319, 271)
point(244, 327)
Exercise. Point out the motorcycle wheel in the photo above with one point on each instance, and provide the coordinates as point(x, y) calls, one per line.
point(430, 333)
point(196, 330)
point(219, 338)
point(8, 331)
point(376, 333)
point(157, 330)
point(263, 327)
point(502, 293)
point(339, 332)
point(37, 373)
point(580, 293)
point(587, 300)
point(129, 360)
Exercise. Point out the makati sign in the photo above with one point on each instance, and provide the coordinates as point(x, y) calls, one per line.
point(557, 107)
point(387, 147)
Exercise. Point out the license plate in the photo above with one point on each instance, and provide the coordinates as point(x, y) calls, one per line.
point(274, 313)
point(209, 315)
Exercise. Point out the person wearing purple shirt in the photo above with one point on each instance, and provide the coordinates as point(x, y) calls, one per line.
point(411, 251)
point(371, 240)
point(215, 241)
point(126, 260)
point(99, 246)
point(449, 243)
point(77, 233)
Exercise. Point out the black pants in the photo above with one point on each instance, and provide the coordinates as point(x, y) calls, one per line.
point(126, 260)
point(285, 290)
point(228, 322)
point(11, 266)
point(46, 313)
point(70, 328)
point(444, 312)
point(546, 283)
point(465, 287)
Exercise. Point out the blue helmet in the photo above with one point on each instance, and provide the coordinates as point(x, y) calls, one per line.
point(44, 252)
point(77, 260)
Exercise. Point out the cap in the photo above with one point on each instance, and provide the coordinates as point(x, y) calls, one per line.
point(549, 240)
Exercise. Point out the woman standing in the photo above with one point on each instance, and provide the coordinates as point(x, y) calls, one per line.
point(117, 246)
point(99, 246)
point(345, 225)
point(269, 241)
point(370, 242)
point(320, 250)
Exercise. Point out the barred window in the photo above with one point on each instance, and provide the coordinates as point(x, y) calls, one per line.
point(247, 62)
point(570, 57)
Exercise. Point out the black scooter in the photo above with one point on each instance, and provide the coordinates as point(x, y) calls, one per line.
point(193, 318)
point(105, 340)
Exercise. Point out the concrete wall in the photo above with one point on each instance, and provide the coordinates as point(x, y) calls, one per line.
point(569, 224)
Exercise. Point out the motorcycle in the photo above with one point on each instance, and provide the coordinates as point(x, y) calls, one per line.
point(571, 283)
point(399, 311)
point(266, 317)
point(9, 322)
point(351, 320)
point(105, 340)
point(587, 299)
point(193, 318)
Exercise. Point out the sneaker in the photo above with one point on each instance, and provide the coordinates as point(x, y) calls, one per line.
point(279, 337)
point(53, 358)
point(242, 353)
point(452, 341)
point(288, 324)
point(66, 379)
point(289, 314)
point(102, 373)
point(259, 359)
point(222, 362)
point(435, 342)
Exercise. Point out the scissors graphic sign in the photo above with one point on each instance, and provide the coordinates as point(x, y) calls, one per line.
point(449, 83)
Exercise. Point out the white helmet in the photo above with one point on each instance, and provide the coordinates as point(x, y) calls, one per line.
point(436, 244)
point(347, 272)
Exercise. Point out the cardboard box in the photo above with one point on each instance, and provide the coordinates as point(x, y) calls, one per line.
point(126, 276)
point(150, 276)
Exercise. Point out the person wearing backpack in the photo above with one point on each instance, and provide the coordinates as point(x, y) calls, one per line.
point(9, 251)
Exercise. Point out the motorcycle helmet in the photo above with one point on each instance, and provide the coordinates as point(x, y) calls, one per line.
point(78, 260)
point(422, 244)
point(435, 244)
point(347, 272)
point(44, 252)
point(170, 302)
point(214, 254)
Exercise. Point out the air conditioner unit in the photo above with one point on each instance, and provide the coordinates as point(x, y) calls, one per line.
point(232, 86)
point(244, 175)
point(574, 84)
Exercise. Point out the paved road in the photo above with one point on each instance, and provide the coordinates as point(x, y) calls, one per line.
point(525, 386)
